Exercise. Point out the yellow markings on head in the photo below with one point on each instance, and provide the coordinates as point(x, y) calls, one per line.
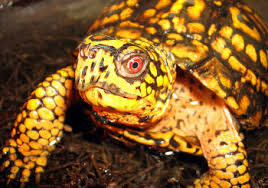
point(166, 81)
point(153, 69)
point(175, 36)
point(177, 6)
point(251, 52)
point(263, 59)
point(237, 65)
point(164, 23)
point(126, 13)
point(30, 123)
point(238, 42)
point(130, 24)
point(226, 31)
point(149, 79)
point(113, 18)
point(195, 27)
point(149, 13)
point(264, 87)
point(44, 113)
point(40, 92)
point(179, 25)
point(132, 3)
point(153, 20)
point(195, 11)
point(162, 4)
point(128, 33)
point(143, 89)
point(235, 12)
point(49, 103)
point(149, 90)
point(150, 30)
point(159, 80)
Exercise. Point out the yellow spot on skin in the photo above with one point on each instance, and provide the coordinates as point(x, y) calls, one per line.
point(150, 30)
point(218, 3)
point(59, 101)
point(50, 91)
point(153, 69)
point(33, 104)
point(238, 42)
point(226, 32)
point(55, 76)
point(164, 23)
point(149, 90)
point(143, 89)
point(212, 29)
point(45, 84)
point(159, 80)
point(14, 169)
point(156, 40)
point(40, 92)
point(251, 52)
point(30, 123)
point(235, 12)
point(13, 132)
point(59, 111)
point(45, 134)
point(195, 11)
point(149, 79)
point(195, 27)
point(33, 115)
point(18, 163)
point(126, 13)
point(179, 25)
point(42, 161)
point(54, 132)
point(243, 179)
point(25, 147)
point(128, 33)
point(45, 124)
point(162, 4)
point(241, 169)
point(263, 59)
point(19, 142)
point(149, 13)
point(236, 65)
point(153, 20)
point(24, 138)
point(132, 3)
point(49, 103)
point(251, 77)
point(43, 141)
point(177, 6)
point(45, 113)
point(33, 135)
point(59, 87)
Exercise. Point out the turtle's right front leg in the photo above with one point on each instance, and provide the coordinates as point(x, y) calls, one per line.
point(38, 127)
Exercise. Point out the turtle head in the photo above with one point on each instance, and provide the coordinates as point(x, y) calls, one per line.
point(128, 82)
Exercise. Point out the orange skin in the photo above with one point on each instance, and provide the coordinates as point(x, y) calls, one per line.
point(180, 75)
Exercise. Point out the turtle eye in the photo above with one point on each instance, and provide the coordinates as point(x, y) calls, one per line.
point(134, 65)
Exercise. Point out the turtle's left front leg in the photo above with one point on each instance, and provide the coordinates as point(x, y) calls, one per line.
point(223, 148)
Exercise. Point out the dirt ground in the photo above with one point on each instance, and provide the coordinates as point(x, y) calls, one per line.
point(37, 38)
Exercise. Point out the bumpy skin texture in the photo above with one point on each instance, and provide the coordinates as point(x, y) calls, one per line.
point(181, 75)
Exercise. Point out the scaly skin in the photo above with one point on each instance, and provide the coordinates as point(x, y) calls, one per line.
point(180, 75)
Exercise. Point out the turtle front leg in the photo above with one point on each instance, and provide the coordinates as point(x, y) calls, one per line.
point(227, 159)
point(38, 127)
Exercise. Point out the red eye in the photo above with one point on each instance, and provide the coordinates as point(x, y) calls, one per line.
point(134, 65)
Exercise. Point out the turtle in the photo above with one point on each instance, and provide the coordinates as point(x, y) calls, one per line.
point(178, 75)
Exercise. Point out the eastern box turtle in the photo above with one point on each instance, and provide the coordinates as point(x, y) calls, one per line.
point(183, 75)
